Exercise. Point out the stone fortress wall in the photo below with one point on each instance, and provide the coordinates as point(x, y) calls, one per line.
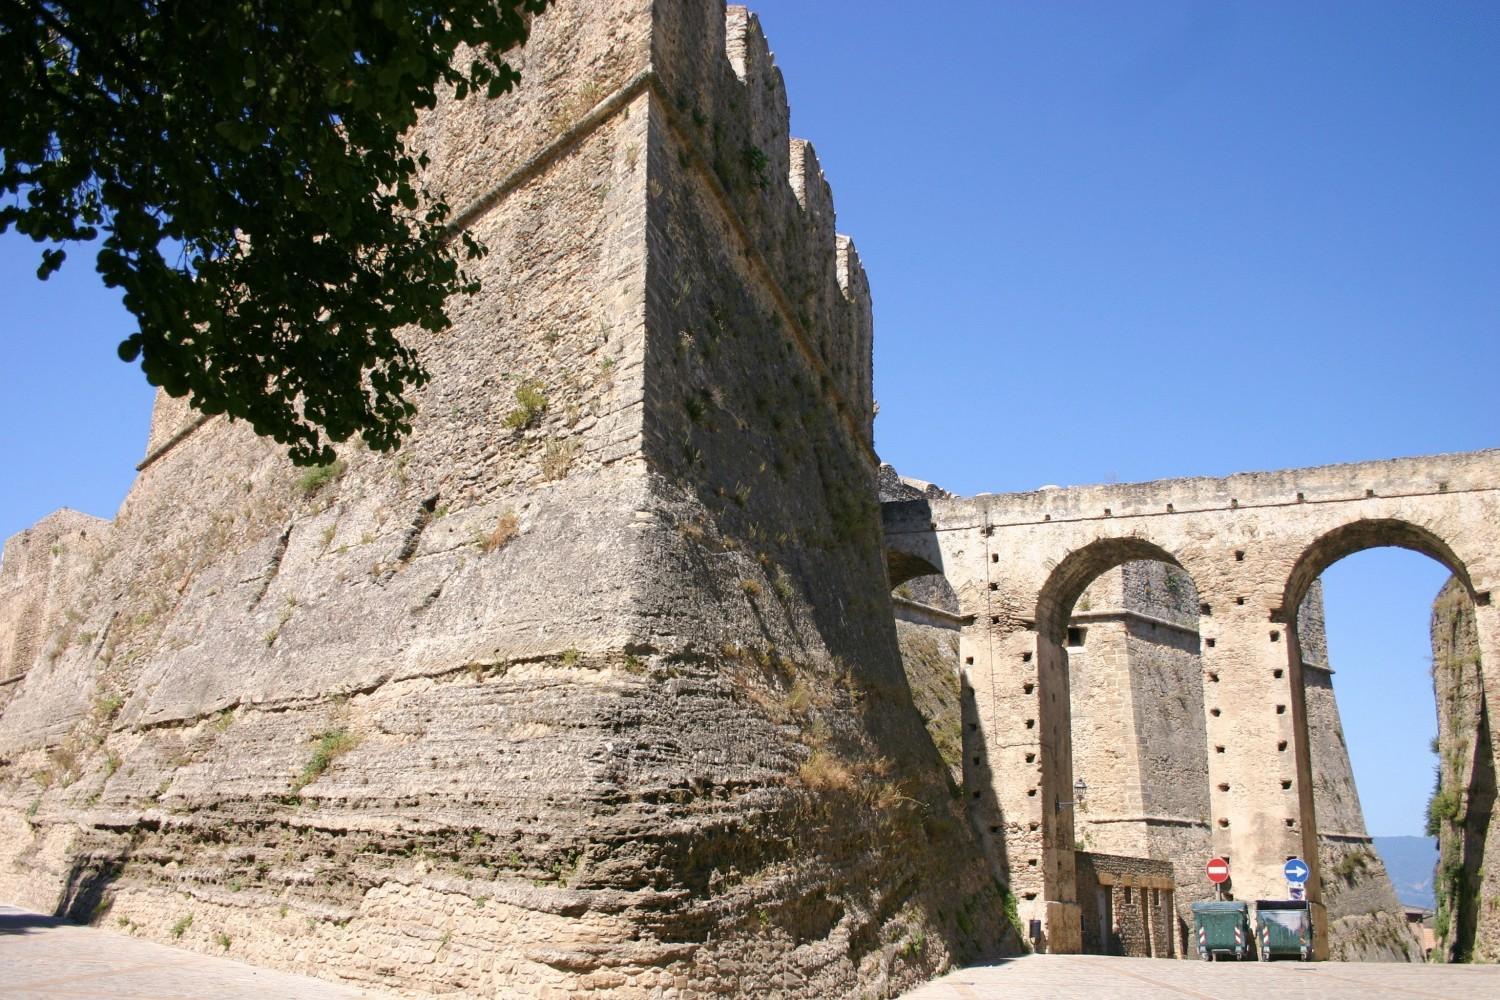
point(1467, 880)
point(593, 686)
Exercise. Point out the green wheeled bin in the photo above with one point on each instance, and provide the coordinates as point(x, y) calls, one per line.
point(1285, 928)
point(1222, 930)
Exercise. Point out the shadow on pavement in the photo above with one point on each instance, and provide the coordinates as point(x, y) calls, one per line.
point(14, 921)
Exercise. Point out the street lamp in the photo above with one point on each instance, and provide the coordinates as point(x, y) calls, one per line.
point(1080, 789)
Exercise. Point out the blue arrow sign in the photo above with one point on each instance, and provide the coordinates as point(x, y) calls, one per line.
point(1295, 871)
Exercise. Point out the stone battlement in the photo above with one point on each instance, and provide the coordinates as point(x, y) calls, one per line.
point(590, 63)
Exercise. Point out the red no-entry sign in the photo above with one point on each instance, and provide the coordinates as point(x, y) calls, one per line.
point(1218, 871)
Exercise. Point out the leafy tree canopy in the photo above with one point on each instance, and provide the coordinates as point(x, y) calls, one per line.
point(260, 209)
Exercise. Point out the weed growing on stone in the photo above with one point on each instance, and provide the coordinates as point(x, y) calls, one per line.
point(222, 940)
point(557, 457)
point(312, 481)
point(570, 657)
point(331, 745)
point(782, 585)
point(530, 405)
point(181, 927)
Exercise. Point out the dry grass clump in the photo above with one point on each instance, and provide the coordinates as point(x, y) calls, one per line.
point(823, 772)
point(557, 457)
point(504, 532)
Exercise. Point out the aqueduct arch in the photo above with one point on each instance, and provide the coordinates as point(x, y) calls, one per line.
point(1253, 544)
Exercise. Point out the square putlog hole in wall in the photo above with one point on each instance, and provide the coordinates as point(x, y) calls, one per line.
point(1076, 636)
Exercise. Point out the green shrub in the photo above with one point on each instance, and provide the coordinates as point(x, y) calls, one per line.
point(331, 745)
point(1441, 808)
point(314, 479)
point(180, 928)
point(530, 405)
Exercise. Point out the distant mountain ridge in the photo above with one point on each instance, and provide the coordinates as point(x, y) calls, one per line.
point(1410, 861)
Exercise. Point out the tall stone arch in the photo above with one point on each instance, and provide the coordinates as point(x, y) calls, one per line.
point(1253, 544)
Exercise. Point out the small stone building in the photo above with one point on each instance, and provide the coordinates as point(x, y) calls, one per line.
point(1126, 905)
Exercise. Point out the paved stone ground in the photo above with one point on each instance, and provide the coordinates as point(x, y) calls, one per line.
point(1093, 977)
point(46, 959)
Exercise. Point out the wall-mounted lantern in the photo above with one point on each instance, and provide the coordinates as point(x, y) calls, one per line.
point(1080, 790)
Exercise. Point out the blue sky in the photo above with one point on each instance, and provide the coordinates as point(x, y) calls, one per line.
point(1106, 241)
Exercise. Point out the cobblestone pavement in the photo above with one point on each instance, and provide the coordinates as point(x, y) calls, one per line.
point(1094, 977)
point(46, 959)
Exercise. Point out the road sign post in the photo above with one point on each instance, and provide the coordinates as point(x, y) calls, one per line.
point(1218, 874)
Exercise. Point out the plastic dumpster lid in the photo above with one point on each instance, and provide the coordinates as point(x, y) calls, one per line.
point(1221, 906)
point(1282, 904)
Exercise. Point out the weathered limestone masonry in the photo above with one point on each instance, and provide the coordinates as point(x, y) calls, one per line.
point(1139, 738)
point(1138, 724)
point(592, 688)
point(1127, 906)
point(1253, 545)
point(1467, 879)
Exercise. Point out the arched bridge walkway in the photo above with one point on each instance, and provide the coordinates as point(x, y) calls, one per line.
point(1253, 544)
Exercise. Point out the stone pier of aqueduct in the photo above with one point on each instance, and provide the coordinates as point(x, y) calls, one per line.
point(1253, 546)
